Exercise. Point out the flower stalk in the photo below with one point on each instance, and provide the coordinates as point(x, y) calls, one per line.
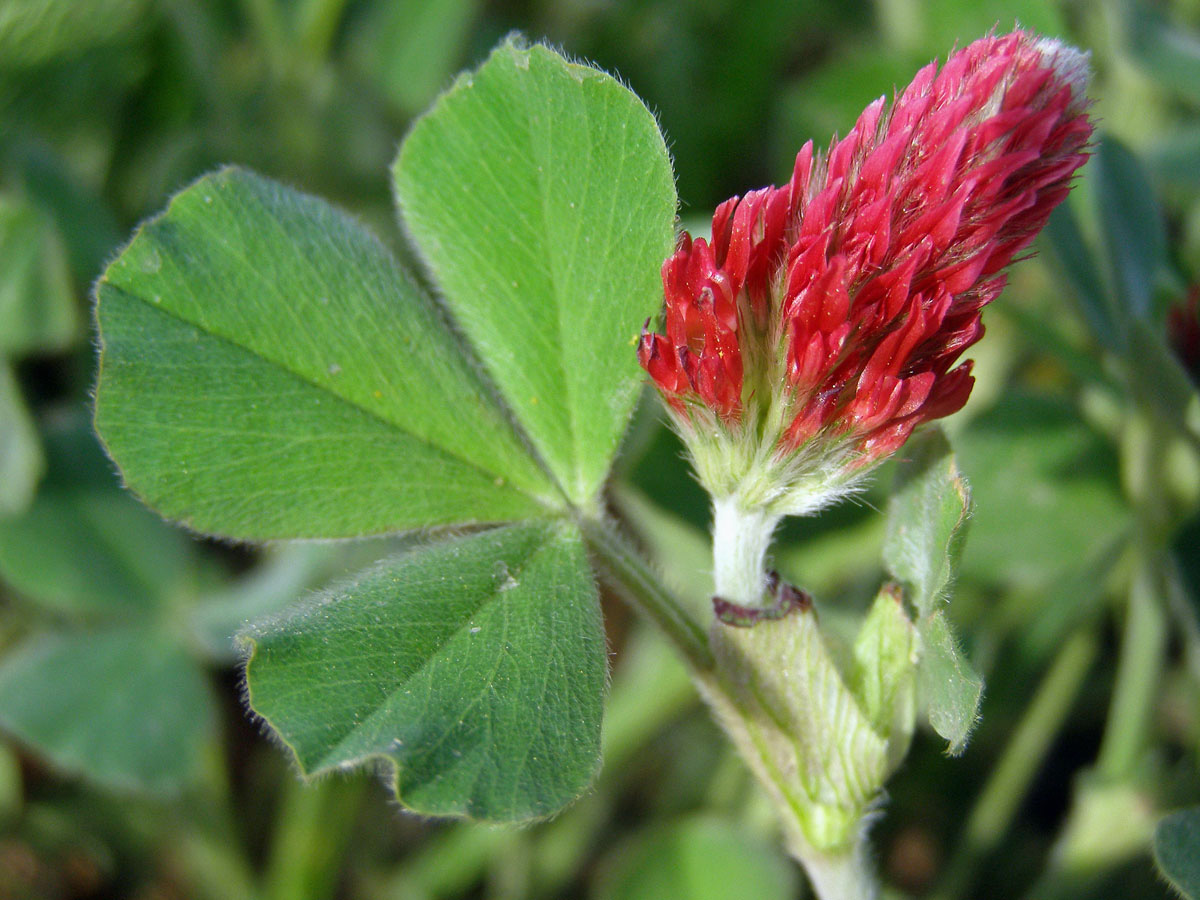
point(801, 347)
point(741, 538)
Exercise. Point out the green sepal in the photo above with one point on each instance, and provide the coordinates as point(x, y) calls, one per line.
point(949, 684)
point(883, 674)
point(927, 520)
point(782, 699)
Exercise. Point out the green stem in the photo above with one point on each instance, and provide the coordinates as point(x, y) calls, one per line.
point(901, 23)
point(845, 876)
point(632, 577)
point(1139, 667)
point(312, 832)
point(211, 869)
point(1019, 764)
point(207, 847)
point(318, 23)
point(740, 541)
point(267, 23)
point(1144, 444)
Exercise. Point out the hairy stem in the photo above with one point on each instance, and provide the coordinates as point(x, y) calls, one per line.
point(624, 568)
point(846, 876)
point(740, 541)
point(313, 831)
point(1143, 648)
point(1144, 642)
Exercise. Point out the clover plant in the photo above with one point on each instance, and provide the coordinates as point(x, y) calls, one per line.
point(269, 371)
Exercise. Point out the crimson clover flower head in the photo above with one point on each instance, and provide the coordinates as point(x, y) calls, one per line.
point(824, 321)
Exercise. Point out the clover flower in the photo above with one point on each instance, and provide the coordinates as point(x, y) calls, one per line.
point(825, 320)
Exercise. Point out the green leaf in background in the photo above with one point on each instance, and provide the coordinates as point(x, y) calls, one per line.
point(286, 572)
point(410, 48)
point(476, 666)
point(1046, 492)
point(697, 859)
point(1167, 50)
point(268, 371)
point(927, 518)
point(948, 683)
point(35, 32)
point(541, 196)
point(120, 700)
point(124, 706)
point(21, 460)
point(950, 23)
point(1177, 851)
point(87, 226)
point(1135, 234)
point(85, 547)
point(37, 303)
point(1081, 271)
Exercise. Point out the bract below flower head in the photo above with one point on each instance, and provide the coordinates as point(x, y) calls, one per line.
point(825, 320)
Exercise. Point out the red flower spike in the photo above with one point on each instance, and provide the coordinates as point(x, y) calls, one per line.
point(853, 289)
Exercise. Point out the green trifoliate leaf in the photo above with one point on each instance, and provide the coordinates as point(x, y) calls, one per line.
point(1177, 851)
point(540, 194)
point(268, 371)
point(474, 666)
point(927, 518)
point(949, 684)
point(21, 460)
point(127, 708)
point(37, 302)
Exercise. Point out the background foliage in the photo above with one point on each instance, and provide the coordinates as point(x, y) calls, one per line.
point(128, 768)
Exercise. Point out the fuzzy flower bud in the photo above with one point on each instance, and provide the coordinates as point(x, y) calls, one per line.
point(825, 320)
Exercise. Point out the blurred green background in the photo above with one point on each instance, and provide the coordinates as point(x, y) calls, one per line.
point(128, 767)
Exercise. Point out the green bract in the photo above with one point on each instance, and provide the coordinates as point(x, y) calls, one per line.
point(927, 519)
point(268, 370)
